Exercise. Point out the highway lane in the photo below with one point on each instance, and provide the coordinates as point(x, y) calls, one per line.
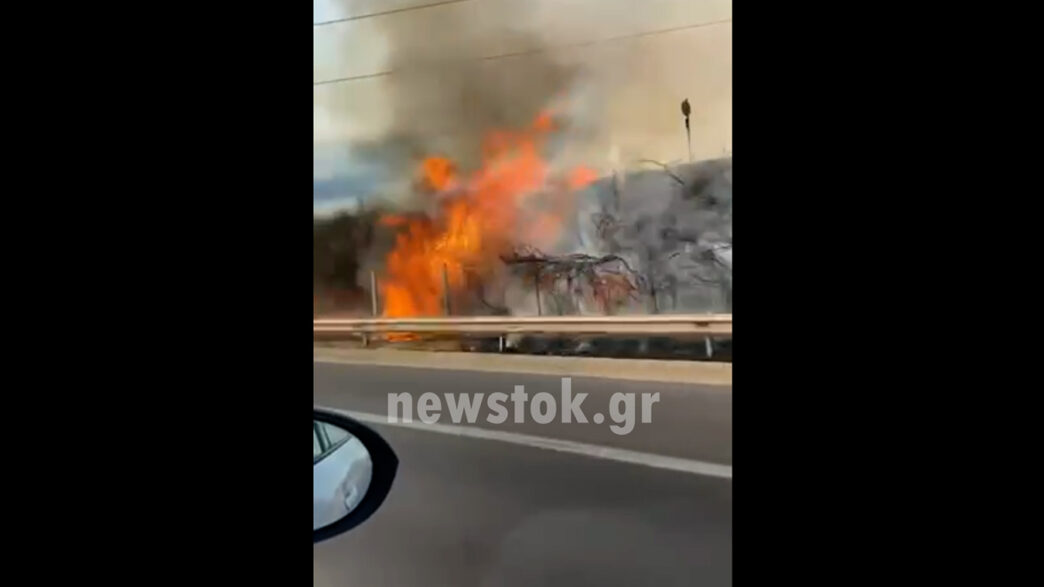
point(688, 421)
point(467, 511)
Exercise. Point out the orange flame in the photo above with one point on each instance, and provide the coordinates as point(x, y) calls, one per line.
point(394, 220)
point(439, 172)
point(581, 177)
point(500, 203)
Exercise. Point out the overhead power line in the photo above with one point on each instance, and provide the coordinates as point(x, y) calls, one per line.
point(395, 11)
point(542, 50)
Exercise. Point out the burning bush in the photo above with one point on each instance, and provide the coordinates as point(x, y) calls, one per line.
point(513, 197)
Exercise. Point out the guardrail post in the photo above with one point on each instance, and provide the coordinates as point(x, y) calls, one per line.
point(445, 290)
point(536, 283)
point(373, 293)
point(373, 306)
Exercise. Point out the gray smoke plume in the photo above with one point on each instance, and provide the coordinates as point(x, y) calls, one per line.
point(443, 101)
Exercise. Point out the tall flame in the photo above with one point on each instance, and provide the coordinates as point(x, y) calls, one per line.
point(501, 204)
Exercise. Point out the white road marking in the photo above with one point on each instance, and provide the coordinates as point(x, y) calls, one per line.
point(556, 444)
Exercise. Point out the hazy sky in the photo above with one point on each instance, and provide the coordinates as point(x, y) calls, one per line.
point(640, 58)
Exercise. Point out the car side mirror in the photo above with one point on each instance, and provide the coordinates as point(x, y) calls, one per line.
point(352, 472)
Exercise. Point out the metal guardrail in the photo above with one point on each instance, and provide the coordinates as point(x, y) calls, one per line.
point(659, 324)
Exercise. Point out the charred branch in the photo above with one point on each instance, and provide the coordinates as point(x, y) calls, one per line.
point(666, 169)
point(610, 278)
point(564, 263)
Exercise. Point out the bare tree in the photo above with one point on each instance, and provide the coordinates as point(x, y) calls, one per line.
point(609, 278)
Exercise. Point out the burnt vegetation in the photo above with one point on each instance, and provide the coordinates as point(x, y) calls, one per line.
point(338, 245)
point(658, 240)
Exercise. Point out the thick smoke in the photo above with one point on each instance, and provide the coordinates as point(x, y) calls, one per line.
point(442, 101)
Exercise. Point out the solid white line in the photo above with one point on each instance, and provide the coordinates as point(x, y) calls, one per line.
point(556, 444)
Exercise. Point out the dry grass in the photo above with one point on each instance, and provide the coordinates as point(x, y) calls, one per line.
point(428, 343)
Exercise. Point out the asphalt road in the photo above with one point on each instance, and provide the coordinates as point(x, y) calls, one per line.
point(466, 511)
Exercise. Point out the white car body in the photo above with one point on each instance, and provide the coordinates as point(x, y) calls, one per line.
point(339, 482)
